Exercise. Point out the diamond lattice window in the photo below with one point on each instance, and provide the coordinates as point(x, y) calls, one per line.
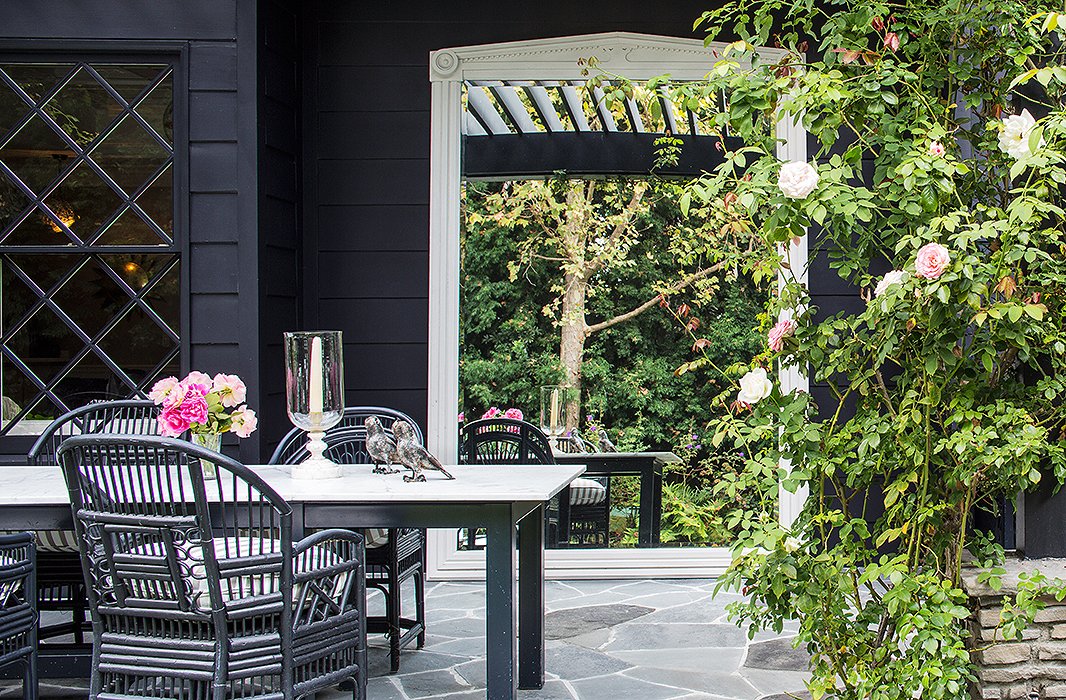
point(89, 268)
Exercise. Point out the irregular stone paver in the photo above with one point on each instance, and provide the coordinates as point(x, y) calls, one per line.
point(777, 655)
point(726, 660)
point(637, 635)
point(617, 686)
point(571, 662)
point(728, 685)
point(627, 658)
point(575, 621)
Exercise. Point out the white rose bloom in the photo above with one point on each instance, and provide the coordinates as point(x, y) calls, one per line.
point(890, 278)
point(797, 179)
point(1014, 135)
point(792, 544)
point(754, 386)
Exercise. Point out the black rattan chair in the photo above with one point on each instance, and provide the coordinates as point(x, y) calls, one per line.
point(59, 581)
point(196, 588)
point(18, 608)
point(590, 513)
point(509, 441)
point(402, 556)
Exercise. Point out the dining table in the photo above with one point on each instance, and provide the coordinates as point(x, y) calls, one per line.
point(647, 465)
point(508, 501)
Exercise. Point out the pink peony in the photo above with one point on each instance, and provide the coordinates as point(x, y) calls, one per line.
point(162, 388)
point(172, 423)
point(230, 389)
point(243, 422)
point(194, 406)
point(200, 378)
point(513, 414)
point(936, 149)
point(931, 261)
point(783, 329)
point(491, 413)
point(175, 396)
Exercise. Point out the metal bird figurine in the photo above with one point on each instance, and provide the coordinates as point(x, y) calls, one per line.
point(380, 447)
point(605, 442)
point(412, 455)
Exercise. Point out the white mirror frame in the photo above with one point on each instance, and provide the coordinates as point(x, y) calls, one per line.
point(637, 57)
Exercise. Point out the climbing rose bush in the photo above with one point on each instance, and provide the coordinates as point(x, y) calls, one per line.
point(935, 190)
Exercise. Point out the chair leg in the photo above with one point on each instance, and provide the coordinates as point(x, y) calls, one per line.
point(420, 606)
point(29, 678)
point(392, 614)
point(78, 614)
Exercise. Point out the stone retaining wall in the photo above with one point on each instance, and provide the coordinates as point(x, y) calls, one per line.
point(1032, 667)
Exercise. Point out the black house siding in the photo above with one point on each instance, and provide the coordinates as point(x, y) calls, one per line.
point(221, 262)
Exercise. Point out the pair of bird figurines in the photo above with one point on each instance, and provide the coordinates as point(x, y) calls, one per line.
point(405, 450)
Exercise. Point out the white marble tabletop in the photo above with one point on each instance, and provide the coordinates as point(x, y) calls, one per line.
point(662, 457)
point(26, 485)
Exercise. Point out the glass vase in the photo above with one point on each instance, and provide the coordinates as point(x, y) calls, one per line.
point(213, 442)
point(314, 389)
point(559, 408)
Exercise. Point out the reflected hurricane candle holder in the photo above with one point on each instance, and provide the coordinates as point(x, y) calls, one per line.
point(314, 387)
point(558, 411)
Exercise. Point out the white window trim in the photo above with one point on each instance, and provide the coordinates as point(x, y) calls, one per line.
point(637, 57)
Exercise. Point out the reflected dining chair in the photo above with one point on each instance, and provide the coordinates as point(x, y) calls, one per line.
point(196, 588)
point(393, 556)
point(509, 441)
point(59, 581)
point(18, 608)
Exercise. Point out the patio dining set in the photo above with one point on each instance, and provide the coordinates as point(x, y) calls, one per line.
point(201, 577)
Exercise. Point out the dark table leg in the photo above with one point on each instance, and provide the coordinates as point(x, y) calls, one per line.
point(647, 524)
point(501, 610)
point(531, 600)
point(656, 503)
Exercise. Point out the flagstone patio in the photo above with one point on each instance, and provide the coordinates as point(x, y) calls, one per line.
point(615, 640)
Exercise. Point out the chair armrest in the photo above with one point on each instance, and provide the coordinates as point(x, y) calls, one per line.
point(328, 551)
point(329, 578)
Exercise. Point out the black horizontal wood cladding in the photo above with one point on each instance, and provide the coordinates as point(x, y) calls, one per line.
point(213, 268)
point(213, 167)
point(394, 134)
point(385, 88)
point(212, 66)
point(377, 275)
point(212, 115)
point(385, 366)
point(213, 216)
point(382, 181)
point(413, 402)
point(392, 320)
point(120, 19)
point(373, 227)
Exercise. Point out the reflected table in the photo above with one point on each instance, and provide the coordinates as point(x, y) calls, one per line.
point(647, 465)
point(508, 501)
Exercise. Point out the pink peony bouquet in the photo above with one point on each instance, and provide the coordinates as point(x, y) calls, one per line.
point(203, 405)
point(512, 413)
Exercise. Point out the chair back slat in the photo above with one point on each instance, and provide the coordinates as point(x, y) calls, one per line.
point(129, 417)
point(504, 441)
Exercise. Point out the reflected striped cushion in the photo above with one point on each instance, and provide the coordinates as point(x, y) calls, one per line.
point(587, 492)
point(51, 540)
point(376, 537)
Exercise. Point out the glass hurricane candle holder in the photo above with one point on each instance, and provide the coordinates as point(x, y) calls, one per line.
point(314, 388)
point(559, 406)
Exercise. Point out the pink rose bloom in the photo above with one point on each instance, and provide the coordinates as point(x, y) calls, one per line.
point(162, 388)
point(243, 422)
point(931, 261)
point(172, 423)
point(513, 414)
point(230, 389)
point(175, 396)
point(194, 406)
point(783, 329)
point(462, 416)
point(195, 377)
point(491, 413)
point(936, 149)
